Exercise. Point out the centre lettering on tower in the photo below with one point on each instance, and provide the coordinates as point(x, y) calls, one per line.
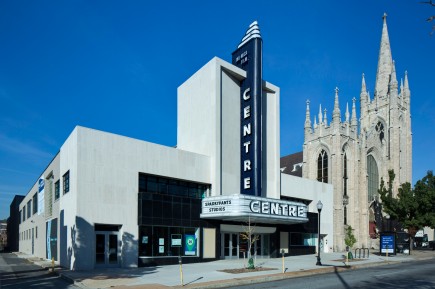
point(248, 57)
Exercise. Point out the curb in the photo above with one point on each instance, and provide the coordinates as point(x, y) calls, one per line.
point(70, 280)
point(283, 276)
point(267, 278)
point(244, 280)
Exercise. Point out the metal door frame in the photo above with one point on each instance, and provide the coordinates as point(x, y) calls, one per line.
point(106, 249)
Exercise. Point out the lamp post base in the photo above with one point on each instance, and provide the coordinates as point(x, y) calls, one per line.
point(318, 261)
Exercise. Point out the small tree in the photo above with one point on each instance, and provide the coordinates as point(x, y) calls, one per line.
point(413, 208)
point(425, 190)
point(350, 239)
point(249, 236)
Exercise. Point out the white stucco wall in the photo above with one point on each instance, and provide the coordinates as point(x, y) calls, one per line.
point(209, 123)
point(104, 178)
point(37, 222)
point(271, 141)
point(313, 191)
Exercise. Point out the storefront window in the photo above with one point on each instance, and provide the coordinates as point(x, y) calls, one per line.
point(156, 241)
point(302, 239)
point(173, 187)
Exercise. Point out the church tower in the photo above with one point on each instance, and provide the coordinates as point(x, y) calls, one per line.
point(354, 157)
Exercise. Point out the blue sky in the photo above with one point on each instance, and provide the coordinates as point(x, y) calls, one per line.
point(116, 65)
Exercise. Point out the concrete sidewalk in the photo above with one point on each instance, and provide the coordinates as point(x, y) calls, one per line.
point(210, 274)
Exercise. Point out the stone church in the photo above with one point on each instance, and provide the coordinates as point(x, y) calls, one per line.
point(354, 153)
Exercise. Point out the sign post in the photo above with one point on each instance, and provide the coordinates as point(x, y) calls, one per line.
point(283, 266)
point(181, 270)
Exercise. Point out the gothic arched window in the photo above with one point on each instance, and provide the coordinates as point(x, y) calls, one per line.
point(345, 197)
point(345, 174)
point(372, 178)
point(322, 167)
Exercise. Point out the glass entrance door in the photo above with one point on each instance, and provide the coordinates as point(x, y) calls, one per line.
point(106, 248)
point(230, 247)
point(235, 246)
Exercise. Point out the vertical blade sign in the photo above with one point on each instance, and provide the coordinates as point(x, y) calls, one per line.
point(248, 57)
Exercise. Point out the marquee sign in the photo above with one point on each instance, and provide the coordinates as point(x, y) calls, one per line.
point(248, 57)
point(241, 207)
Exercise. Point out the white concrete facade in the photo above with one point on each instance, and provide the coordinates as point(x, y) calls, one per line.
point(103, 190)
point(103, 170)
point(214, 129)
point(313, 191)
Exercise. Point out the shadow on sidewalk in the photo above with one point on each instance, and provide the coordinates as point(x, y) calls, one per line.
point(109, 273)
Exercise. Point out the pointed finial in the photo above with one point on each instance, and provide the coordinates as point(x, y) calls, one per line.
point(320, 114)
point(376, 107)
point(315, 122)
point(406, 84)
point(393, 85)
point(384, 17)
point(363, 84)
point(307, 115)
point(393, 73)
point(336, 112)
point(346, 115)
point(354, 119)
point(325, 120)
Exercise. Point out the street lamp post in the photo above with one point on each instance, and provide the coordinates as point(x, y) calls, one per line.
point(319, 209)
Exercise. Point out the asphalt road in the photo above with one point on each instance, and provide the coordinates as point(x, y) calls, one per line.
point(17, 273)
point(418, 274)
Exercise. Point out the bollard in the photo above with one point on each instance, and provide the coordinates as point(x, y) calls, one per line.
point(52, 264)
point(386, 249)
point(283, 266)
point(181, 270)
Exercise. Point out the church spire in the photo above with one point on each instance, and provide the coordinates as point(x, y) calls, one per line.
point(385, 62)
point(346, 115)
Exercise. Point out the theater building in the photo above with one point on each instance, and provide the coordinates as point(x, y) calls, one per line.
point(110, 200)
